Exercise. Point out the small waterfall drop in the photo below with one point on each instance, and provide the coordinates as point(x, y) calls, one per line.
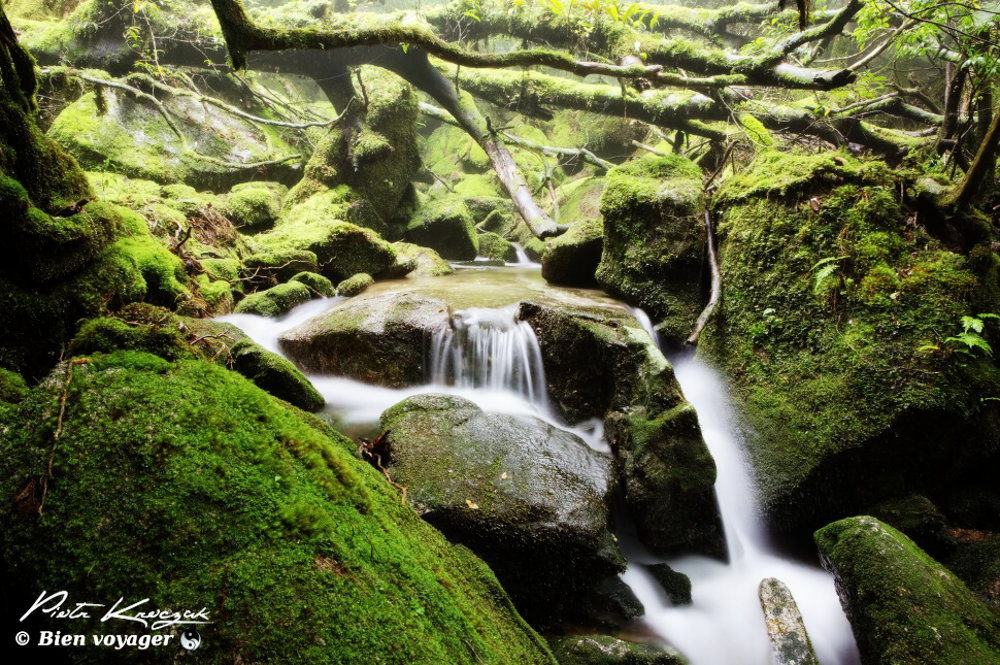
point(725, 624)
point(489, 348)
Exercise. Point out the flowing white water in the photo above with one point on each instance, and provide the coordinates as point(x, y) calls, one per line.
point(489, 348)
point(725, 625)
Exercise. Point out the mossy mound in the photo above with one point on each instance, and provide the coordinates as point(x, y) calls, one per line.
point(129, 135)
point(654, 241)
point(835, 304)
point(445, 225)
point(180, 480)
point(104, 335)
point(319, 285)
point(426, 262)
point(253, 207)
point(355, 284)
point(341, 249)
point(272, 373)
point(905, 607)
point(275, 301)
point(280, 263)
point(496, 247)
point(367, 165)
point(12, 387)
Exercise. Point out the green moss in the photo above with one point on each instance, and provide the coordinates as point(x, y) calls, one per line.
point(319, 285)
point(13, 389)
point(904, 606)
point(354, 284)
point(445, 225)
point(496, 247)
point(217, 294)
point(253, 207)
point(223, 269)
point(177, 480)
point(341, 249)
point(280, 262)
point(104, 335)
point(608, 650)
point(478, 186)
point(425, 261)
point(654, 241)
point(161, 270)
point(844, 408)
point(120, 189)
point(272, 373)
point(276, 300)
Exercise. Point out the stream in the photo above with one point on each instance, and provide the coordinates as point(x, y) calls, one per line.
point(494, 361)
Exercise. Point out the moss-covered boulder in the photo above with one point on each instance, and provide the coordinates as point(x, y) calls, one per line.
point(608, 650)
point(320, 286)
point(445, 226)
point(341, 249)
point(202, 145)
point(281, 263)
point(354, 284)
point(835, 309)
point(496, 247)
point(186, 484)
point(272, 373)
point(253, 207)
point(379, 339)
point(12, 387)
point(572, 258)
point(654, 241)
point(426, 262)
point(904, 607)
point(790, 643)
point(104, 335)
point(667, 471)
point(531, 499)
point(363, 166)
point(275, 301)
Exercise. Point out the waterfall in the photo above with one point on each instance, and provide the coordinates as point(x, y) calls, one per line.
point(725, 625)
point(489, 348)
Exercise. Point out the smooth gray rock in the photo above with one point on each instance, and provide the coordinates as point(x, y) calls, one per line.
point(789, 640)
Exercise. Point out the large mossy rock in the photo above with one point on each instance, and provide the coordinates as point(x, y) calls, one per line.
point(329, 246)
point(118, 131)
point(275, 301)
point(904, 607)
point(668, 473)
point(572, 258)
point(185, 484)
point(445, 225)
point(531, 499)
point(654, 241)
point(272, 373)
point(361, 170)
point(834, 300)
point(378, 339)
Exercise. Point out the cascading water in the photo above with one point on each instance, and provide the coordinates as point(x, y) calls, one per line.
point(489, 348)
point(491, 358)
point(725, 625)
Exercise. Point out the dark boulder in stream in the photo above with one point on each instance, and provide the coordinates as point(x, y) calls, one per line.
point(529, 498)
point(668, 473)
point(378, 339)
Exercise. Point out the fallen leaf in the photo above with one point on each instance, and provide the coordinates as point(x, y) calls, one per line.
point(471, 505)
point(503, 476)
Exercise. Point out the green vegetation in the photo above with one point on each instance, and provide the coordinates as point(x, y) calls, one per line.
point(832, 296)
point(317, 558)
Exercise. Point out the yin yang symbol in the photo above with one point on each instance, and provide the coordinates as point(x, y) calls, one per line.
point(190, 639)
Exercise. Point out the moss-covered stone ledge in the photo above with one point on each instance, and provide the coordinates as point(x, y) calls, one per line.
point(905, 608)
point(836, 307)
point(184, 483)
point(654, 241)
